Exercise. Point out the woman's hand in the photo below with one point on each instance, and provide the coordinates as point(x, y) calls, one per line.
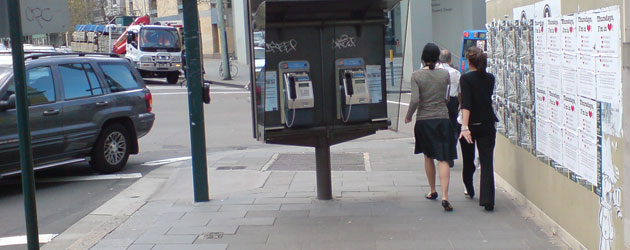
point(407, 120)
point(466, 135)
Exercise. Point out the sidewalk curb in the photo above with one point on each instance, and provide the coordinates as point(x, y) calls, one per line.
point(88, 231)
point(227, 84)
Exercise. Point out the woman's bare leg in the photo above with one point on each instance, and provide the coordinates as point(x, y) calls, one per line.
point(429, 168)
point(445, 176)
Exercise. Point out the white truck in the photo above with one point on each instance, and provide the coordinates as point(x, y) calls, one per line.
point(155, 50)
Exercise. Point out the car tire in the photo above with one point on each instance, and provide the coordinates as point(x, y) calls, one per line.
point(111, 152)
point(172, 78)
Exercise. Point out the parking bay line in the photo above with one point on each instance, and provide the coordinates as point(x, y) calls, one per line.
point(21, 240)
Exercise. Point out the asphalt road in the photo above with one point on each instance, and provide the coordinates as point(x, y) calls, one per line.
point(62, 202)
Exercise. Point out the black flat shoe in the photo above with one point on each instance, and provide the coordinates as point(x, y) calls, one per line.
point(489, 207)
point(447, 205)
point(432, 196)
point(470, 195)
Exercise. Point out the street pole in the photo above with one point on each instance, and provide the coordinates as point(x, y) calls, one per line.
point(224, 48)
point(195, 101)
point(391, 64)
point(24, 130)
point(323, 169)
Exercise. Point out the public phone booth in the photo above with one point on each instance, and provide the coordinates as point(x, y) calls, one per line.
point(471, 38)
point(322, 77)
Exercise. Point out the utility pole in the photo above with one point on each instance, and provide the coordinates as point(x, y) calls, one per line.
point(195, 101)
point(223, 36)
point(24, 130)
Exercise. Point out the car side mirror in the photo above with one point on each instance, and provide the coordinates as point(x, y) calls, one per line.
point(9, 104)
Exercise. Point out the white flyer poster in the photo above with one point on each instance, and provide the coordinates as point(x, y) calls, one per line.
point(608, 79)
point(569, 34)
point(540, 68)
point(609, 32)
point(556, 112)
point(375, 82)
point(523, 13)
point(553, 76)
point(588, 159)
point(570, 151)
point(588, 119)
point(587, 85)
point(542, 136)
point(587, 32)
point(547, 8)
point(569, 74)
point(540, 36)
point(570, 111)
point(542, 122)
point(555, 143)
point(271, 91)
point(554, 34)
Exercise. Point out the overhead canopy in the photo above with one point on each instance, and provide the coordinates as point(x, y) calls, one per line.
point(340, 5)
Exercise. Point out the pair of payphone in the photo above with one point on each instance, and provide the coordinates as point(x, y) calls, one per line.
point(298, 100)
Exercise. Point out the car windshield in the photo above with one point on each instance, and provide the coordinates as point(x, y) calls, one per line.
point(159, 39)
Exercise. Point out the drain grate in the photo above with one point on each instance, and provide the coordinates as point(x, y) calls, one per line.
point(306, 162)
point(212, 235)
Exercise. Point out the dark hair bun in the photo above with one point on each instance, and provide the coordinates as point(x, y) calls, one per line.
point(430, 55)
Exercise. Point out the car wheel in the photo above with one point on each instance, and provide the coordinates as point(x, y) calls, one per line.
point(111, 152)
point(172, 78)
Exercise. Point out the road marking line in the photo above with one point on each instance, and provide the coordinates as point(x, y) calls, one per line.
point(271, 161)
point(91, 178)
point(366, 162)
point(166, 161)
point(404, 104)
point(21, 240)
point(211, 92)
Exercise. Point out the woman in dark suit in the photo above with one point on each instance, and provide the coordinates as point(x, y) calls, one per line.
point(478, 120)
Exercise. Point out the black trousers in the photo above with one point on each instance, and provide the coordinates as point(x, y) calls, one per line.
point(453, 111)
point(484, 136)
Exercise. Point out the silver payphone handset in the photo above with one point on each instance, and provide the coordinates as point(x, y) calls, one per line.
point(351, 72)
point(298, 92)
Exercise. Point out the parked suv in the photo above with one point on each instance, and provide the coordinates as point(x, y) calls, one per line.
point(81, 106)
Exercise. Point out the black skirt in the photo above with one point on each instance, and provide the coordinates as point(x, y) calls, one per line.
point(434, 138)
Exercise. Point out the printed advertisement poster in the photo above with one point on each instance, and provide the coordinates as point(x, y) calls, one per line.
point(569, 34)
point(547, 8)
point(555, 149)
point(553, 76)
point(375, 82)
point(609, 32)
point(588, 119)
point(540, 36)
point(587, 32)
point(542, 121)
point(608, 79)
point(571, 113)
point(588, 159)
point(570, 151)
point(587, 85)
point(542, 127)
point(569, 74)
point(554, 35)
point(556, 112)
point(271, 91)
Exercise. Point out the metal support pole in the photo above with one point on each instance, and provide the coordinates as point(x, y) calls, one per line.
point(223, 36)
point(195, 101)
point(391, 65)
point(24, 130)
point(322, 167)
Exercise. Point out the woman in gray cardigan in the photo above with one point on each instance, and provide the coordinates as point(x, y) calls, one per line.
point(433, 131)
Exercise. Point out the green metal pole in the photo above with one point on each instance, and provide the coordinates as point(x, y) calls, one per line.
point(195, 101)
point(223, 36)
point(24, 130)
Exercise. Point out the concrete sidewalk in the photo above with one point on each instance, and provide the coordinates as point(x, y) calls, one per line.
point(265, 199)
point(211, 67)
